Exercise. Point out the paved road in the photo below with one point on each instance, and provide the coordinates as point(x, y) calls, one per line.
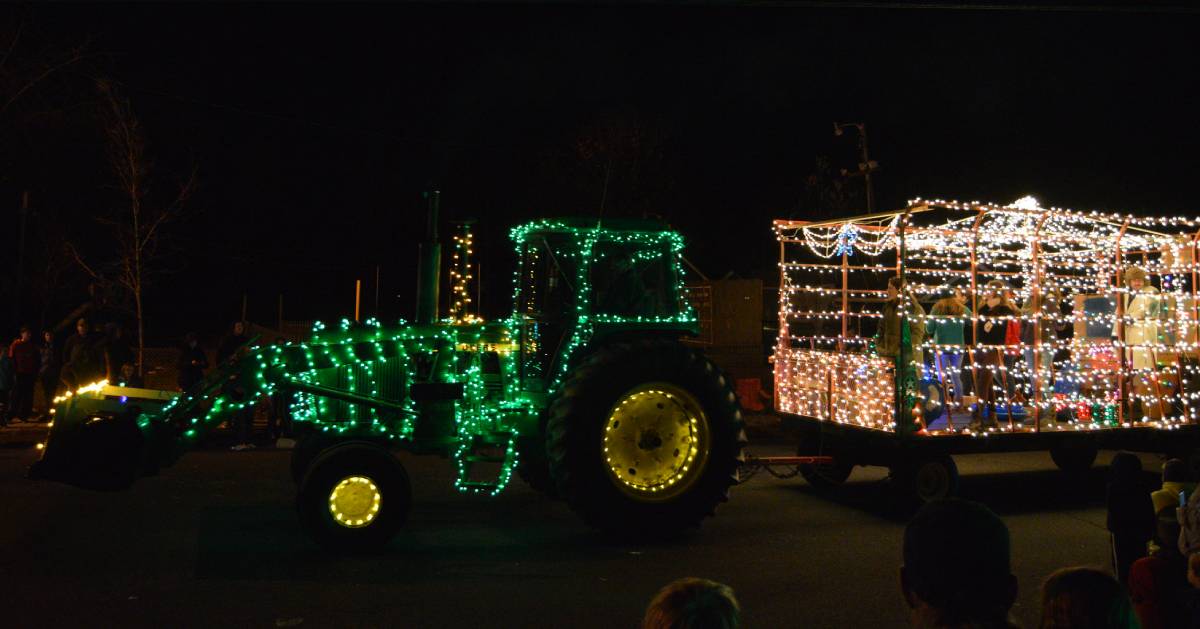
point(213, 541)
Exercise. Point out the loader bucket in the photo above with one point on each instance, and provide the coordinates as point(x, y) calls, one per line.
point(97, 452)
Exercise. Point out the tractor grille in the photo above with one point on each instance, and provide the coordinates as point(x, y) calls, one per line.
point(354, 378)
point(390, 379)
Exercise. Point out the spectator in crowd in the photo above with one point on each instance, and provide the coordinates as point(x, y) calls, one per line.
point(234, 346)
point(1193, 605)
point(6, 378)
point(956, 570)
point(1079, 598)
point(693, 604)
point(192, 362)
point(48, 372)
point(1130, 513)
point(26, 358)
point(232, 343)
point(117, 351)
point(1158, 584)
point(82, 361)
point(129, 377)
point(1174, 481)
point(279, 423)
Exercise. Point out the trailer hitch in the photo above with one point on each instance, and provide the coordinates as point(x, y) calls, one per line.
point(754, 464)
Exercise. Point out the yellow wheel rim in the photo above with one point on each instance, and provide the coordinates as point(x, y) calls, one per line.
point(656, 442)
point(355, 501)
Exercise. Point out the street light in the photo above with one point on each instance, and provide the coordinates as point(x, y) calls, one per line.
point(866, 166)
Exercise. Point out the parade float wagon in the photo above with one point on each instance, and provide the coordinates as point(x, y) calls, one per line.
point(585, 391)
point(1105, 362)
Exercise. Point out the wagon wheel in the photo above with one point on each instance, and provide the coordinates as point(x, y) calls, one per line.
point(826, 475)
point(927, 479)
point(1073, 458)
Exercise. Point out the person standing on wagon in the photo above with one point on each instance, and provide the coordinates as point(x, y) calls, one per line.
point(994, 316)
point(887, 340)
point(946, 332)
point(1040, 318)
point(1142, 308)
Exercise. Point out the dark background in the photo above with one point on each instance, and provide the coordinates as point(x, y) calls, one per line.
point(315, 129)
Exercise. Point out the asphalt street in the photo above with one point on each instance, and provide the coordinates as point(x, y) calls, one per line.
point(213, 541)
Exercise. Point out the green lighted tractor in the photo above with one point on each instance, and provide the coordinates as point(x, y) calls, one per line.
point(585, 391)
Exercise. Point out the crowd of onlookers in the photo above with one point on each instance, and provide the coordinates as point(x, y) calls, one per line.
point(956, 568)
point(30, 363)
point(95, 353)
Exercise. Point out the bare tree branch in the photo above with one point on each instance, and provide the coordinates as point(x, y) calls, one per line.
point(40, 78)
point(138, 225)
point(12, 46)
point(185, 192)
point(84, 265)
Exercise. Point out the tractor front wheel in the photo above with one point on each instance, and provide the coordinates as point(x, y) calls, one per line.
point(644, 439)
point(354, 498)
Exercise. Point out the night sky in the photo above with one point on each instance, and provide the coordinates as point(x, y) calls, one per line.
point(315, 129)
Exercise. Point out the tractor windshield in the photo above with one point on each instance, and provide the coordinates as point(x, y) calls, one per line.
point(633, 281)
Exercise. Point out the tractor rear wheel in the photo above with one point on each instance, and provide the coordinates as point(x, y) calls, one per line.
point(533, 468)
point(644, 439)
point(355, 498)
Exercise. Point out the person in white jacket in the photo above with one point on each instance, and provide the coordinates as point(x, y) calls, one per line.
point(1143, 307)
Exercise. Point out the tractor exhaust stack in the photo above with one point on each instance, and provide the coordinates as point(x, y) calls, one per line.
point(429, 265)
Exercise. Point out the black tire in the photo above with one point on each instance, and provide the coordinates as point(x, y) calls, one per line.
point(306, 451)
point(337, 464)
point(1073, 458)
point(316, 443)
point(927, 479)
point(579, 417)
point(823, 477)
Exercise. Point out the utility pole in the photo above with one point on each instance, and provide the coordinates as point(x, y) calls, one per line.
point(357, 299)
point(866, 166)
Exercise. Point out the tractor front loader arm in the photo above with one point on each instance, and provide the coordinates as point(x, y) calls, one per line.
point(105, 437)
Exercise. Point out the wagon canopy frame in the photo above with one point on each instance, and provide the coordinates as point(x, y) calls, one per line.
point(1076, 261)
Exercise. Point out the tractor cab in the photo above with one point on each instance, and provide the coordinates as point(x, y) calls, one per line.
point(579, 282)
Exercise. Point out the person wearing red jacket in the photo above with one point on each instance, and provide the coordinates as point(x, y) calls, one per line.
point(26, 360)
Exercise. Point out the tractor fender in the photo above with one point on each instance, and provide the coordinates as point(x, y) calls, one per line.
point(316, 443)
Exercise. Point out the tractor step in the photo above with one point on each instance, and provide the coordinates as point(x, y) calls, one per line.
point(493, 448)
point(477, 486)
point(472, 458)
